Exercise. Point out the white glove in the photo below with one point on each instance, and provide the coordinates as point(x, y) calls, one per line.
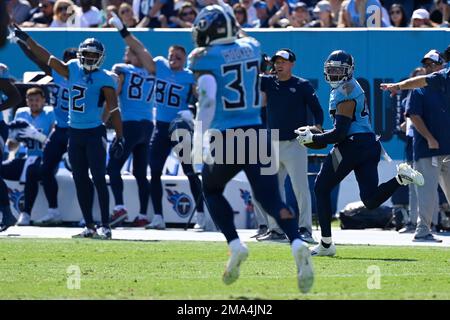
point(305, 136)
point(186, 115)
point(116, 22)
point(31, 132)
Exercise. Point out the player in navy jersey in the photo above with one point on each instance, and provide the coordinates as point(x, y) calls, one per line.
point(356, 148)
point(227, 72)
point(57, 143)
point(172, 93)
point(9, 97)
point(40, 120)
point(135, 94)
point(91, 90)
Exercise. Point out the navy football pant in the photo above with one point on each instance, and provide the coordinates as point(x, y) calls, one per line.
point(87, 151)
point(360, 154)
point(12, 170)
point(53, 153)
point(137, 138)
point(4, 200)
point(160, 147)
point(265, 189)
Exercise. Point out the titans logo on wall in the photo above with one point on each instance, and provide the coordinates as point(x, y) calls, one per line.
point(181, 202)
point(17, 199)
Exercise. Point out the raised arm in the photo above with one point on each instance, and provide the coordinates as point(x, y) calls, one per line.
point(144, 56)
point(41, 53)
point(33, 58)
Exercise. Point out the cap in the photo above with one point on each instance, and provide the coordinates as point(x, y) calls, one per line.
point(420, 14)
point(434, 56)
point(260, 4)
point(322, 6)
point(286, 54)
point(300, 5)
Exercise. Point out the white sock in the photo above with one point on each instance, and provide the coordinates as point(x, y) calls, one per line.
point(142, 216)
point(327, 240)
point(296, 244)
point(235, 244)
point(119, 207)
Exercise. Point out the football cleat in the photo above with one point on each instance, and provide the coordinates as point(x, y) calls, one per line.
point(157, 223)
point(140, 221)
point(24, 219)
point(118, 216)
point(306, 236)
point(237, 256)
point(52, 217)
point(407, 175)
point(305, 271)
point(320, 250)
point(103, 233)
point(86, 233)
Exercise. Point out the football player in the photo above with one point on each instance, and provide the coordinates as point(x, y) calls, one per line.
point(227, 70)
point(57, 143)
point(89, 88)
point(40, 120)
point(172, 93)
point(356, 148)
point(135, 94)
point(9, 97)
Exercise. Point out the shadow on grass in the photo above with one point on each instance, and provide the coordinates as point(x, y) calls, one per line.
point(376, 259)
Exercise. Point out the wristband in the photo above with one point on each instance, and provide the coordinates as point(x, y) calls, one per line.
point(50, 59)
point(124, 32)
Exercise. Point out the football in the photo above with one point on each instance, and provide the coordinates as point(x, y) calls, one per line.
point(313, 145)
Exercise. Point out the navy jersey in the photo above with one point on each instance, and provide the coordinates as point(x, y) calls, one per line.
point(61, 105)
point(172, 91)
point(235, 67)
point(136, 94)
point(4, 74)
point(43, 122)
point(86, 98)
point(351, 90)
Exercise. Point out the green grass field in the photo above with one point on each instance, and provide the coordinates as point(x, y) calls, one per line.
point(38, 269)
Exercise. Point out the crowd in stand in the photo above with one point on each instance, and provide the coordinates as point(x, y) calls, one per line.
point(249, 13)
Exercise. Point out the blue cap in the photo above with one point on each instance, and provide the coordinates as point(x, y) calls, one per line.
point(260, 4)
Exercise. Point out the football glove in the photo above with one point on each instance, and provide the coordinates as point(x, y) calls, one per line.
point(117, 147)
point(305, 135)
point(116, 22)
point(30, 132)
point(21, 35)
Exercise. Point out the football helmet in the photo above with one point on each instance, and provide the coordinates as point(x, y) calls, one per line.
point(91, 53)
point(338, 68)
point(214, 25)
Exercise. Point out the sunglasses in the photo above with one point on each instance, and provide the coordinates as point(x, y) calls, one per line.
point(239, 11)
point(428, 65)
point(184, 14)
point(63, 9)
point(396, 12)
point(124, 11)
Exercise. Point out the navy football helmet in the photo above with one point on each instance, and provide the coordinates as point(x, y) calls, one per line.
point(91, 53)
point(214, 25)
point(338, 68)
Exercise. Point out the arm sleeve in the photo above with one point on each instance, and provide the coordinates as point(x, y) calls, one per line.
point(337, 134)
point(314, 104)
point(436, 80)
point(264, 83)
point(414, 105)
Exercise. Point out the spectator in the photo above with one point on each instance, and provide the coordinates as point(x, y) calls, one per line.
point(43, 17)
point(300, 15)
point(427, 109)
point(109, 9)
point(324, 15)
point(89, 15)
point(19, 10)
point(441, 12)
point(335, 8)
point(63, 10)
point(185, 17)
point(421, 19)
point(262, 12)
point(241, 15)
point(126, 15)
point(398, 16)
point(354, 14)
point(251, 10)
point(152, 13)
